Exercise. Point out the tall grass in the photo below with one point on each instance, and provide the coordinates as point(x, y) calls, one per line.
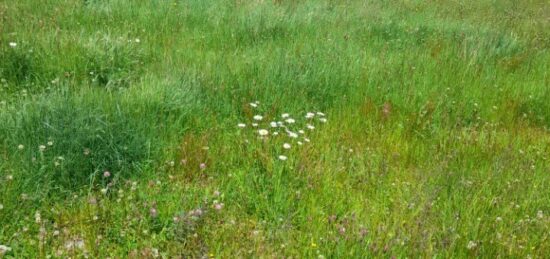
point(119, 136)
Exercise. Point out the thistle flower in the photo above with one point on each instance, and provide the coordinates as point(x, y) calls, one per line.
point(258, 117)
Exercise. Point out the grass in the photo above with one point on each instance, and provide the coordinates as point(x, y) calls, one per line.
point(436, 144)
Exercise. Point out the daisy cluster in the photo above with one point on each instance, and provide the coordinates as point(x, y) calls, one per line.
point(293, 130)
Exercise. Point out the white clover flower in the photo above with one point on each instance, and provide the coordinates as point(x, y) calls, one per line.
point(290, 120)
point(283, 158)
point(20, 147)
point(254, 124)
point(50, 143)
point(273, 124)
point(41, 148)
point(253, 105)
point(285, 115)
point(241, 125)
point(263, 132)
point(13, 44)
point(311, 127)
point(286, 146)
point(320, 114)
point(471, 245)
point(4, 249)
point(310, 115)
point(258, 117)
point(323, 120)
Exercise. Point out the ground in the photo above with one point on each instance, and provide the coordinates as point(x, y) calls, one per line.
point(274, 128)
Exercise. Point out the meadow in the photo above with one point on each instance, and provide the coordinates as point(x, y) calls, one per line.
point(274, 129)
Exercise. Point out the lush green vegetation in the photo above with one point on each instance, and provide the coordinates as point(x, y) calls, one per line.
point(119, 128)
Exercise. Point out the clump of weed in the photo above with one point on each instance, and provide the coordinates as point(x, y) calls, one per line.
point(113, 62)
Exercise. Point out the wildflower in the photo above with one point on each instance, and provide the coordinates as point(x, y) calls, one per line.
point(300, 143)
point(273, 124)
point(50, 143)
point(1, 206)
point(311, 127)
point(13, 44)
point(286, 146)
point(86, 151)
point(4, 249)
point(320, 114)
point(104, 190)
point(218, 206)
point(216, 193)
point(301, 131)
point(153, 212)
point(56, 233)
point(275, 133)
point(9, 177)
point(202, 166)
point(37, 217)
point(106, 174)
point(254, 124)
point(471, 245)
point(283, 158)
point(323, 120)
point(41, 148)
point(285, 115)
point(20, 147)
point(307, 140)
point(499, 219)
point(263, 132)
point(290, 120)
point(310, 115)
point(540, 215)
point(254, 105)
point(241, 125)
point(137, 40)
point(258, 117)
point(292, 134)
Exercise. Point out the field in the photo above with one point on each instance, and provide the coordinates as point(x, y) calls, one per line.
point(274, 129)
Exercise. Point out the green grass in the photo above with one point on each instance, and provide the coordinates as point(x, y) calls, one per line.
point(437, 142)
